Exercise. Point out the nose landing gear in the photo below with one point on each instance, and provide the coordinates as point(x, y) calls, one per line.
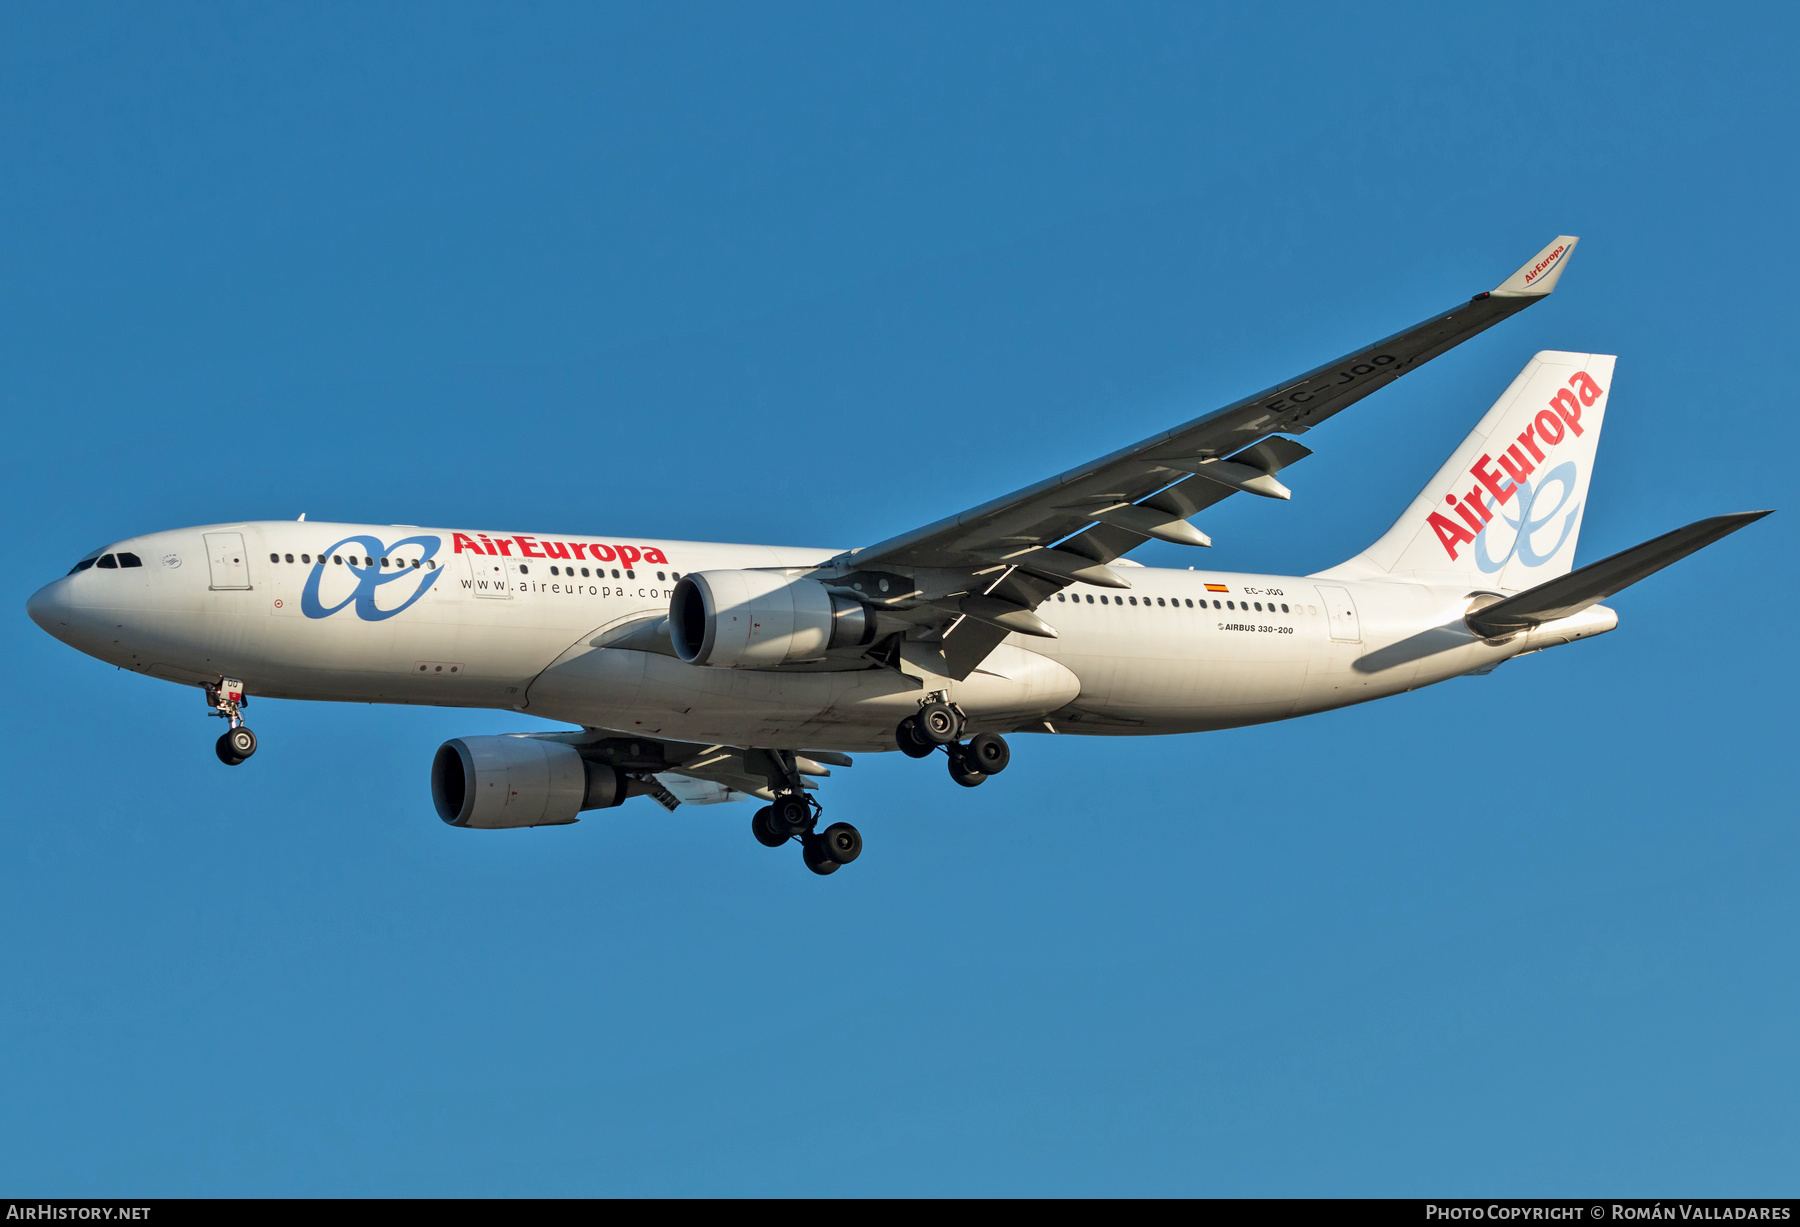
point(227, 700)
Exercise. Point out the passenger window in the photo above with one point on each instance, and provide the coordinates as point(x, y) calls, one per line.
point(615, 573)
point(1259, 607)
point(524, 570)
point(1103, 600)
point(129, 560)
point(554, 571)
point(368, 562)
point(1284, 609)
point(1090, 598)
point(1215, 604)
point(584, 572)
point(432, 566)
point(1061, 597)
point(108, 562)
point(306, 558)
point(675, 574)
point(659, 575)
point(338, 558)
point(1160, 601)
point(274, 557)
point(290, 558)
point(1133, 600)
point(631, 575)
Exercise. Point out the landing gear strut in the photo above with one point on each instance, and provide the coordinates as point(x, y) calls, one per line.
point(796, 816)
point(227, 700)
point(937, 725)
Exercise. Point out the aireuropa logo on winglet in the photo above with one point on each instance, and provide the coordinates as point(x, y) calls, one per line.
point(1547, 263)
point(377, 581)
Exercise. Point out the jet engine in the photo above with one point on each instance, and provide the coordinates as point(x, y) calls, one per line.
point(761, 620)
point(518, 781)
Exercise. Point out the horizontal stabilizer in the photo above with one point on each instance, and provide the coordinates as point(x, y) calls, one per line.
point(1574, 592)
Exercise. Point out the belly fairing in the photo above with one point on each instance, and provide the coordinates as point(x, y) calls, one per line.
point(649, 692)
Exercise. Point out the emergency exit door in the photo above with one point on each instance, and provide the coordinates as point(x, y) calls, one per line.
point(1340, 613)
point(227, 561)
point(490, 577)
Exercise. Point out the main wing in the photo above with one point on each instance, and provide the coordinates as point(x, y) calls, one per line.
point(1011, 553)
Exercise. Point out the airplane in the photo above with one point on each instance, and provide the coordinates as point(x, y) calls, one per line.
point(702, 673)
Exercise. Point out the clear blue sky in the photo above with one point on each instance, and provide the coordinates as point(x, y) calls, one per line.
point(816, 275)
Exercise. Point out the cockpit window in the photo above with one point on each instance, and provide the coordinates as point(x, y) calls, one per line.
point(83, 565)
point(129, 560)
point(108, 563)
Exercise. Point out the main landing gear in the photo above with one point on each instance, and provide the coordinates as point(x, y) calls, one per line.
point(938, 726)
point(227, 700)
point(796, 816)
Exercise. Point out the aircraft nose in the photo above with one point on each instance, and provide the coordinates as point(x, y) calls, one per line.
point(49, 606)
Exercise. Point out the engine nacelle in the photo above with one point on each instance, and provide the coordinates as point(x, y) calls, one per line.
point(518, 781)
point(761, 620)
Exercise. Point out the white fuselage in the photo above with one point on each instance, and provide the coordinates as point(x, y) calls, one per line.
point(1180, 651)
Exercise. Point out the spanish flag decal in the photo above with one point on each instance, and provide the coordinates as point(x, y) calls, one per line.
point(1217, 588)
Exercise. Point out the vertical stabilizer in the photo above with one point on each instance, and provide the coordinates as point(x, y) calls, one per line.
point(1504, 512)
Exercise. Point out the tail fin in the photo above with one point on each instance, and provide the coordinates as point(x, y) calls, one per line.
point(1505, 511)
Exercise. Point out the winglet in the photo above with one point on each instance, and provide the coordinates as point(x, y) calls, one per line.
point(1539, 274)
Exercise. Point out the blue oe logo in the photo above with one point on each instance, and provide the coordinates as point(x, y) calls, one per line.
point(371, 576)
point(1531, 520)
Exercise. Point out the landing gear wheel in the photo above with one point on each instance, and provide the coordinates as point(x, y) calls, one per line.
point(222, 748)
point(911, 742)
point(790, 816)
point(937, 723)
point(817, 856)
point(963, 771)
point(841, 842)
point(988, 753)
point(241, 741)
point(764, 830)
